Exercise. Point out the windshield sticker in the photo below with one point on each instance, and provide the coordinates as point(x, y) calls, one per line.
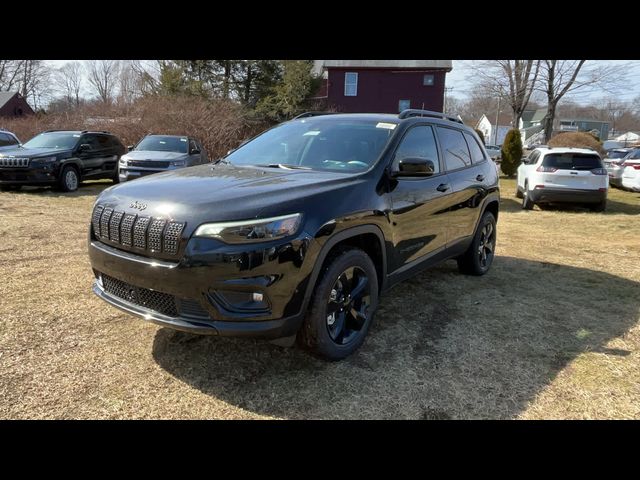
point(389, 126)
point(312, 132)
point(162, 142)
point(183, 139)
point(76, 135)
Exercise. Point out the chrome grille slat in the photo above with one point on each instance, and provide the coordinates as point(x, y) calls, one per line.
point(157, 235)
point(114, 226)
point(104, 222)
point(95, 219)
point(172, 237)
point(154, 236)
point(140, 232)
point(126, 229)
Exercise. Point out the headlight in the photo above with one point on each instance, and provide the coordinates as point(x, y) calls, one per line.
point(178, 163)
point(46, 160)
point(123, 162)
point(250, 231)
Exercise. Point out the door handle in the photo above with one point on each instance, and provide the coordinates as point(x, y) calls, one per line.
point(480, 178)
point(443, 187)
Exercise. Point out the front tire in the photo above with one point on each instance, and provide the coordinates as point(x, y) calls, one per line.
point(479, 256)
point(342, 306)
point(69, 179)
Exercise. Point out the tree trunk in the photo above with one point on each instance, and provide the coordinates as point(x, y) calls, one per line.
point(226, 80)
point(548, 121)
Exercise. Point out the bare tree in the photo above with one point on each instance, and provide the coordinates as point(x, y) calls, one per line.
point(9, 74)
point(103, 78)
point(561, 77)
point(512, 81)
point(68, 79)
point(34, 82)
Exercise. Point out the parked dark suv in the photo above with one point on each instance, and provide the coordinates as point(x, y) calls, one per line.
point(300, 229)
point(61, 158)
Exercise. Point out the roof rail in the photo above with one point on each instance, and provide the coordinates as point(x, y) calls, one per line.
point(428, 113)
point(311, 114)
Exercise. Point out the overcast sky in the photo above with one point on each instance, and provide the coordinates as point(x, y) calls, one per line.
point(458, 81)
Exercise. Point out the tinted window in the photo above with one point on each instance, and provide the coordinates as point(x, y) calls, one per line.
point(318, 143)
point(57, 140)
point(6, 140)
point(454, 148)
point(634, 155)
point(91, 140)
point(419, 142)
point(616, 154)
point(572, 161)
point(160, 143)
point(477, 155)
point(103, 141)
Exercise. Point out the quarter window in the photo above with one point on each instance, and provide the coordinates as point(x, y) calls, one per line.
point(477, 155)
point(419, 142)
point(350, 84)
point(455, 150)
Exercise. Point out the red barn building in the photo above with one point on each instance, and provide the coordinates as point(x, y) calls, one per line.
point(382, 86)
point(12, 104)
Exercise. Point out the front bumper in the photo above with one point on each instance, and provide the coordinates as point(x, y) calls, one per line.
point(27, 176)
point(279, 328)
point(208, 274)
point(131, 174)
point(556, 195)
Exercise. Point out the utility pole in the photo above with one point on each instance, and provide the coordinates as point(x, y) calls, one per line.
point(446, 89)
point(495, 137)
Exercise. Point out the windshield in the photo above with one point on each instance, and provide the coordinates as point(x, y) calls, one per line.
point(634, 154)
point(58, 141)
point(318, 144)
point(157, 143)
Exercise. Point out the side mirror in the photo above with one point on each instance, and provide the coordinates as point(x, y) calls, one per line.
point(194, 151)
point(131, 147)
point(85, 147)
point(415, 167)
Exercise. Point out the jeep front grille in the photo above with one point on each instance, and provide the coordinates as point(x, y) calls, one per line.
point(148, 163)
point(154, 235)
point(163, 303)
point(14, 162)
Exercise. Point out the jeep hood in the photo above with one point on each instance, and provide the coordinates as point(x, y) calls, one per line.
point(223, 192)
point(31, 152)
point(154, 155)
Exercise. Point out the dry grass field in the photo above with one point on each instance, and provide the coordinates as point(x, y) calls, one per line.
point(551, 332)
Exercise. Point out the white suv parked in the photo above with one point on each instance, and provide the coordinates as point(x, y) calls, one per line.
point(563, 175)
point(631, 172)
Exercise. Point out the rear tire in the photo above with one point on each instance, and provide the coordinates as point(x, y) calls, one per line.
point(598, 207)
point(337, 322)
point(69, 179)
point(527, 204)
point(518, 192)
point(478, 258)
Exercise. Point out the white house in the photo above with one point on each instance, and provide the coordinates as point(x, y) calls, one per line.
point(493, 135)
point(628, 138)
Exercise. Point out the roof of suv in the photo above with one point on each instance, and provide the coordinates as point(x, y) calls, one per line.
point(104, 132)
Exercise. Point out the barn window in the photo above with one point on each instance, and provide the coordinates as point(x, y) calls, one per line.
point(350, 84)
point(428, 80)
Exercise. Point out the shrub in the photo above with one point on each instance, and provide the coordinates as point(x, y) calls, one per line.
point(577, 140)
point(481, 135)
point(511, 152)
point(219, 124)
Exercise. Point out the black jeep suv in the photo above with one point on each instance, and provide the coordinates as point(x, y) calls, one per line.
point(61, 158)
point(300, 229)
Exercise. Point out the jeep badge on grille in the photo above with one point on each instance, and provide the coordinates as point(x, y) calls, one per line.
point(137, 205)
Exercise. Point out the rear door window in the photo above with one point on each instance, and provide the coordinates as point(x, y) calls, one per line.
point(572, 161)
point(454, 147)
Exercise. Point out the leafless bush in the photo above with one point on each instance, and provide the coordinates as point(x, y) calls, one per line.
point(219, 124)
point(577, 140)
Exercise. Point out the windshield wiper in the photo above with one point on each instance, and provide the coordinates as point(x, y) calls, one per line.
point(286, 166)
